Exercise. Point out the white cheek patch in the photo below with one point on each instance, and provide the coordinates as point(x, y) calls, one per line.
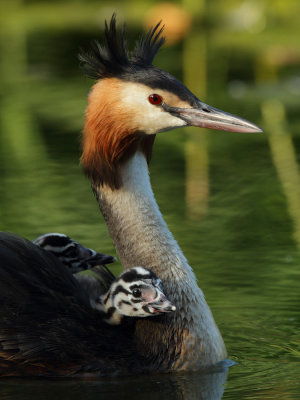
point(145, 116)
point(161, 123)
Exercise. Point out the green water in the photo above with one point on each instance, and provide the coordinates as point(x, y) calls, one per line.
point(242, 251)
point(231, 201)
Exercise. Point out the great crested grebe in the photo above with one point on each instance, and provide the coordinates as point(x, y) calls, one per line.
point(53, 330)
point(130, 103)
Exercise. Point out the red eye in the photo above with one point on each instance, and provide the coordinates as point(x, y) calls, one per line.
point(155, 99)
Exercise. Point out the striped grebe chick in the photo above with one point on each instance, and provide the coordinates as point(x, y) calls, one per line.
point(137, 292)
point(71, 253)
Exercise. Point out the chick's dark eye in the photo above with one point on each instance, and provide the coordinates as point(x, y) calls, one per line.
point(137, 292)
point(155, 99)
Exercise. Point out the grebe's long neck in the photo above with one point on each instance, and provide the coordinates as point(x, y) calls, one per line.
point(189, 338)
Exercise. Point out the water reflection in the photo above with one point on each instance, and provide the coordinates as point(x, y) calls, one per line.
point(284, 157)
point(185, 386)
point(197, 187)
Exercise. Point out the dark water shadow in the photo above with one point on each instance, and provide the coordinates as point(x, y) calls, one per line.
point(196, 385)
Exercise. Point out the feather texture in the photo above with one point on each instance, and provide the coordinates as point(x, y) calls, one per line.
point(114, 59)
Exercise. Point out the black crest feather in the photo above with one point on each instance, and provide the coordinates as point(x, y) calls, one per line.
point(114, 58)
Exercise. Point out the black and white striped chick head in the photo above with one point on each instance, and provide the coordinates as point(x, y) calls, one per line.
point(137, 292)
point(71, 253)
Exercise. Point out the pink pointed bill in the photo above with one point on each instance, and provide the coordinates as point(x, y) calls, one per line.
point(209, 117)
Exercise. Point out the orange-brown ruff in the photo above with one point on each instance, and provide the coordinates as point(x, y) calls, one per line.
point(109, 137)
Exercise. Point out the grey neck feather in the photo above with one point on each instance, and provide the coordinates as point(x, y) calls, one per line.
point(189, 338)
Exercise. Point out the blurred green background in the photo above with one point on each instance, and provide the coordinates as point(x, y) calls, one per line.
point(231, 200)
